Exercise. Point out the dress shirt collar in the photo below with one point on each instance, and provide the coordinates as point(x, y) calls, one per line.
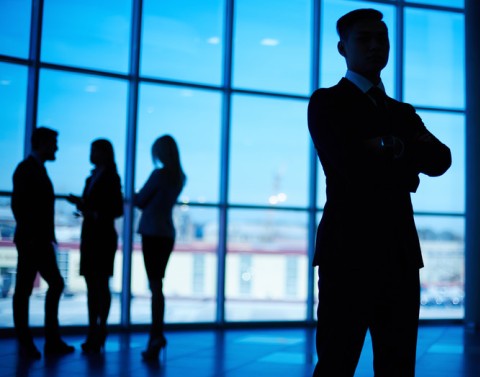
point(37, 158)
point(361, 82)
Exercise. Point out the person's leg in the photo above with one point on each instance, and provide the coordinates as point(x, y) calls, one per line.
point(49, 271)
point(156, 253)
point(26, 273)
point(93, 308)
point(105, 300)
point(342, 324)
point(48, 268)
point(158, 308)
point(395, 327)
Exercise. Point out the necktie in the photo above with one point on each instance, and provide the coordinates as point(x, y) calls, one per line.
point(378, 97)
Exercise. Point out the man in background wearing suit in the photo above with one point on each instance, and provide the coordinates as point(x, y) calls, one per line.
point(372, 149)
point(33, 203)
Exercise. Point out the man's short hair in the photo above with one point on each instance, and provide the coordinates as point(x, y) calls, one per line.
point(41, 135)
point(347, 21)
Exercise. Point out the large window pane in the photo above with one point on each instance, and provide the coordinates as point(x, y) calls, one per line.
point(269, 151)
point(332, 64)
point(445, 193)
point(192, 117)
point(82, 108)
point(442, 279)
point(434, 58)
point(266, 267)
point(191, 275)
point(8, 262)
point(13, 87)
point(182, 40)
point(88, 33)
point(15, 27)
point(272, 45)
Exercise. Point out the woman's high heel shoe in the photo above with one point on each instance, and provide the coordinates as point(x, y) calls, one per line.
point(152, 352)
point(95, 343)
point(91, 347)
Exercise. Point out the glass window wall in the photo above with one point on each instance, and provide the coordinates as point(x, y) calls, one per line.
point(13, 97)
point(15, 27)
point(246, 136)
point(276, 36)
point(87, 34)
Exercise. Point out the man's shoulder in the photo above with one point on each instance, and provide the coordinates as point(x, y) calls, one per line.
point(343, 87)
point(400, 106)
point(25, 165)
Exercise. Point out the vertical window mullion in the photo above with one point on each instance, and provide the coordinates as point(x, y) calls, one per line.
point(224, 159)
point(132, 112)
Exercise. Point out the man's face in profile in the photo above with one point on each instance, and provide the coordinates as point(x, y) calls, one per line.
point(366, 48)
point(49, 148)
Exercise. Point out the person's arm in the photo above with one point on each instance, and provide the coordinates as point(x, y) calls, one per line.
point(424, 152)
point(360, 159)
point(23, 197)
point(143, 197)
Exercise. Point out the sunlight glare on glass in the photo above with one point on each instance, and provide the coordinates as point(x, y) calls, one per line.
point(91, 88)
point(278, 198)
point(213, 40)
point(269, 42)
point(186, 93)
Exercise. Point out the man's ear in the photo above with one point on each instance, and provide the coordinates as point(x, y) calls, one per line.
point(341, 48)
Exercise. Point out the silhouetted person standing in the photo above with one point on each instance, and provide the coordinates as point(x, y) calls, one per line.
point(33, 203)
point(156, 200)
point(100, 204)
point(372, 149)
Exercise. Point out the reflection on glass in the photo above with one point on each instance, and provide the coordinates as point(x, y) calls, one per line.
point(182, 40)
point(13, 88)
point(269, 151)
point(442, 240)
point(445, 193)
point(192, 117)
point(266, 267)
point(82, 108)
point(88, 33)
point(191, 277)
point(332, 65)
point(15, 27)
point(8, 263)
point(434, 58)
point(272, 45)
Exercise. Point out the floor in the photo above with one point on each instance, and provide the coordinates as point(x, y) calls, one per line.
point(443, 351)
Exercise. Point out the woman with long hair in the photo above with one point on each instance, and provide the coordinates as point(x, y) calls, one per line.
point(156, 199)
point(100, 204)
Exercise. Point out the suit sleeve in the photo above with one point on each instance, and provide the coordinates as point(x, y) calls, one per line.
point(23, 198)
point(359, 159)
point(424, 152)
point(346, 153)
point(143, 197)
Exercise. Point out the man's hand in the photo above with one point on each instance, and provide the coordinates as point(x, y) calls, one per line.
point(394, 145)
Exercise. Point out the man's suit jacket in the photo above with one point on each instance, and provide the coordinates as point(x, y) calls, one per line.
point(33, 203)
point(368, 216)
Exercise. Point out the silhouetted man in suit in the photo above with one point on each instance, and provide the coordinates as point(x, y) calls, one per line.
point(372, 149)
point(33, 207)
